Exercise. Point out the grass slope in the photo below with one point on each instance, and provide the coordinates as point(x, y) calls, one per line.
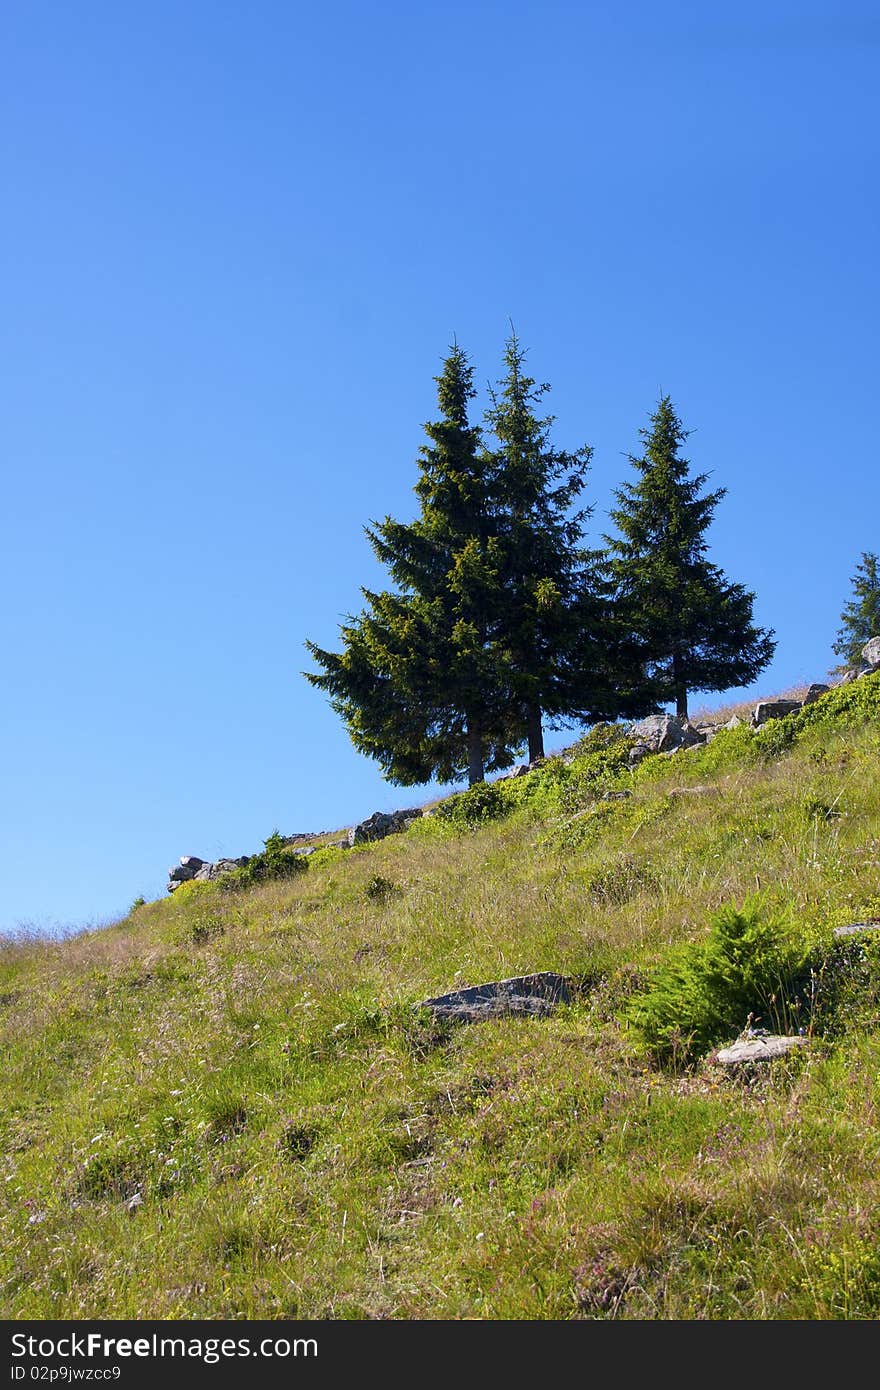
point(226, 1107)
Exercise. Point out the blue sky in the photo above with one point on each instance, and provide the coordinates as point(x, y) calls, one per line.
point(237, 241)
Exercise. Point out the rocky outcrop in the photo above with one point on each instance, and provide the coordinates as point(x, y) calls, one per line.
point(191, 869)
point(663, 733)
point(871, 654)
point(814, 691)
point(380, 824)
point(773, 709)
point(528, 995)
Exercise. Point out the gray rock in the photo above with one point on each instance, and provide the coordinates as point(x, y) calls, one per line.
point(815, 690)
point(663, 733)
point(520, 995)
point(191, 861)
point(304, 850)
point(857, 928)
point(636, 754)
point(380, 824)
point(734, 722)
point(871, 653)
point(514, 772)
point(773, 709)
point(759, 1049)
point(181, 873)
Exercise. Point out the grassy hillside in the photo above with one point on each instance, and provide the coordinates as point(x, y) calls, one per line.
point(226, 1105)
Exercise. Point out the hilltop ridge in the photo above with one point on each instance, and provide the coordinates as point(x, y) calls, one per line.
point(230, 1105)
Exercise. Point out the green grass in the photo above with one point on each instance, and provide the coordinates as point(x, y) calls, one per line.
point(305, 1144)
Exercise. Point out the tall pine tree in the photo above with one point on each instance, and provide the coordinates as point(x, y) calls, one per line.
point(420, 681)
point(565, 654)
point(860, 619)
point(695, 626)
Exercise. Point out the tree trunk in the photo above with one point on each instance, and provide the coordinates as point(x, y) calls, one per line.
point(475, 752)
point(535, 733)
point(679, 687)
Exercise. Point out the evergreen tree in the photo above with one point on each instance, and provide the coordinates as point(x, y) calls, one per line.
point(420, 682)
point(564, 652)
point(695, 626)
point(860, 619)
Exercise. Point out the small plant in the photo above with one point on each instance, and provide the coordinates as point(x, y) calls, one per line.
point(618, 882)
point(297, 1141)
point(139, 901)
point(748, 970)
point(275, 861)
point(379, 888)
point(205, 927)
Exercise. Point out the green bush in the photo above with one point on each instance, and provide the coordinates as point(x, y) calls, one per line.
point(275, 861)
point(749, 969)
point(485, 802)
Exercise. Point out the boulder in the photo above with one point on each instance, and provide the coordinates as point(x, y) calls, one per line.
point(521, 995)
point(773, 709)
point(734, 722)
point(380, 824)
point(514, 772)
point(636, 754)
point(663, 733)
point(759, 1049)
point(181, 873)
point(191, 861)
point(857, 928)
point(815, 690)
point(871, 654)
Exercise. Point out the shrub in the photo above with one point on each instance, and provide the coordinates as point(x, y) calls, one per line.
point(467, 810)
point(379, 888)
point(275, 861)
point(748, 969)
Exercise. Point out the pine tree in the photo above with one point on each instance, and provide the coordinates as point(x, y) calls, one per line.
point(565, 655)
point(420, 682)
point(860, 619)
point(695, 626)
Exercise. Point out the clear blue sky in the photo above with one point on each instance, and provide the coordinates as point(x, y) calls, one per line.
point(237, 240)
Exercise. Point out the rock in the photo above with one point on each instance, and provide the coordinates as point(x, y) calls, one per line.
point(304, 850)
point(849, 675)
point(759, 1049)
point(663, 733)
point(521, 995)
point(181, 873)
point(695, 791)
point(514, 772)
point(191, 861)
point(380, 824)
point(857, 928)
point(705, 732)
point(815, 690)
point(871, 653)
point(339, 844)
point(636, 754)
point(773, 709)
point(734, 722)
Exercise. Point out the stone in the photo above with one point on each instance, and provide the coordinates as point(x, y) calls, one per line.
point(380, 824)
point(181, 873)
point(636, 754)
point(734, 722)
point(304, 850)
point(857, 928)
point(514, 772)
point(695, 791)
point(663, 733)
point(522, 995)
point(773, 709)
point(191, 861)
point(759, 1049)
point(815, 690)
point(871, 653)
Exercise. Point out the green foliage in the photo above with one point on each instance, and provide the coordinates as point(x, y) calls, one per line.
point(749, 969)
point(860, 619)
point(379, 888)
point(140, 901)
point(274, 861)
point(467, 810)
point(695, 625)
